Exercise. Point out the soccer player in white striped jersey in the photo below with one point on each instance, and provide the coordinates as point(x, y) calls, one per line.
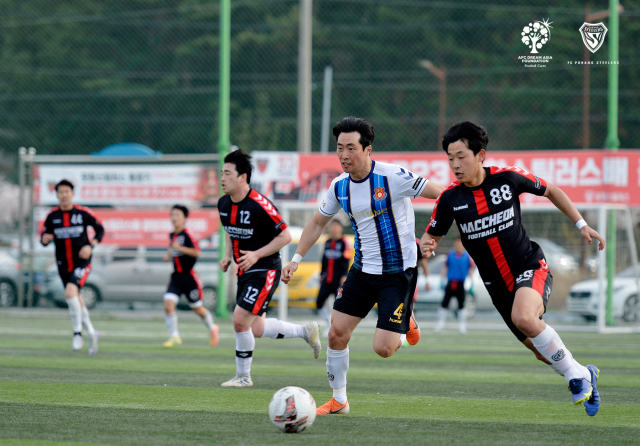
point(377, 198)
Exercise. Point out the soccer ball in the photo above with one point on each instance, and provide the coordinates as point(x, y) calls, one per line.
point(292, 409)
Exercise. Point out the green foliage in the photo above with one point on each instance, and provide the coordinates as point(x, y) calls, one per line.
point(76, 76)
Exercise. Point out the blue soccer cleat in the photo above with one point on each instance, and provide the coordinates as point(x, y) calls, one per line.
point(581, 390)
point(592, 405)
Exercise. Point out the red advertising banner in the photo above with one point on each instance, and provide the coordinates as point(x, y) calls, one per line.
point(587, 176)
point(130, 228)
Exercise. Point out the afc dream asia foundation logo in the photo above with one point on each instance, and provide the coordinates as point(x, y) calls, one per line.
point(535, 35)
point(593, 35)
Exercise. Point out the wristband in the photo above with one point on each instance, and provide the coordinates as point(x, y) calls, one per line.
point(296, 258)
point(581, 223)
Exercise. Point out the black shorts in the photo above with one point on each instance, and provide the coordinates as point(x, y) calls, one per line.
point(189, 284)
point(77, 276)
point(536, 276)
point(454, 288)
point(255, 290)
point(392, 292)
point(326, 290)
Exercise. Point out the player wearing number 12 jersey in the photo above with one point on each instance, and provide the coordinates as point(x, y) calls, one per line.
point(485, 206)
point(255, 233)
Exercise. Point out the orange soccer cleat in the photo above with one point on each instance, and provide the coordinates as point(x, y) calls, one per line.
point(215, 338)
point(413, 335)
point(333, 407)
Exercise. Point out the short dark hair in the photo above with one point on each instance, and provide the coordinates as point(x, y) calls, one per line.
point(473, 135)
point(335, 220)
point(182, 208)
point(242, 161)
point(353, 124)
point(64, 183)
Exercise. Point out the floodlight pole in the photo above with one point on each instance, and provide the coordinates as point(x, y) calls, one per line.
point(224, 141)
point(22, 153)
point(612, 144)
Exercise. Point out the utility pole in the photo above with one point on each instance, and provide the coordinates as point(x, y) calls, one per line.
point(441, 74)
point(304, 76)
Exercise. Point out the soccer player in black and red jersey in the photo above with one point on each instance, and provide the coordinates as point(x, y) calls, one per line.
point(66, 225)
point(255, 234)
point(485, 205)
point(184, 250)
point(335, 266)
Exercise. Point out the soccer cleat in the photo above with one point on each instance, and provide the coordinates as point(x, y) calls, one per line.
point(77, 342)
point(238, 381)
point(215, 338)
point(413, 335)
point(592, 405)
point(93, 342)
point(333, 407)
point(311, 334)
point(581, 390)
point(172, 342)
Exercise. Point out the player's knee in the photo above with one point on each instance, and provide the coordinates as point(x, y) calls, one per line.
point(384, 350)
point(526, 323)
point(338, 338)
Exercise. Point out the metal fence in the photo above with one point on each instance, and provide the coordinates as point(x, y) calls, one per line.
point(78, 76)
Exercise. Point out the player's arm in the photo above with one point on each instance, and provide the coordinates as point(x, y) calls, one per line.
point(562, 202)
point(91, 220)
point(311, 233)
point(186, 250)
point(425, 266)
point(228, 251)
point(428, 244)
point(47, 231)
point(249, 258)
point(432, 190)
point(167, 256)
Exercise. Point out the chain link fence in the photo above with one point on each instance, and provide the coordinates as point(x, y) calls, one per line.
point(79, 76)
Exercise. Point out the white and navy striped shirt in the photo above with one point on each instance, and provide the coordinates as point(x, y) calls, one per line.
point(381, 215)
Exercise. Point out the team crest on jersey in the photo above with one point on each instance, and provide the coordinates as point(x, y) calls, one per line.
point(379, 193)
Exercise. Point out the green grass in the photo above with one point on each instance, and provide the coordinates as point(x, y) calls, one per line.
point(480, 389)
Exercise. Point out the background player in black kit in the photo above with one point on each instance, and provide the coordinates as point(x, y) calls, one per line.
point(484, 203)
point(255, 234)
point(184, 250)
point(66, 225)
point(335, 266)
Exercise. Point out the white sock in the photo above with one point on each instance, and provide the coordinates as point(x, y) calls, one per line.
point(86, 321)
point(462, 319)
point(549, 345)
point(208, 320)
point(442, 316)
point(326, 315)
point(337, 367)
point(277, 329)
point(172, 324)
point(76, 313)
point(586, 374)
point(245, 344)
point(403, 337)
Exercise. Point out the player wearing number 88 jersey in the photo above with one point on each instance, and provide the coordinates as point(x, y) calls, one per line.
point(255, 233)
point(485, 206)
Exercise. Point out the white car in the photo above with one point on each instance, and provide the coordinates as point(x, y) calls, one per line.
point(477, 297)
point(134, 275)
point(584, 299)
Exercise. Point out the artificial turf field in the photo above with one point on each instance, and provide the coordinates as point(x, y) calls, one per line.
point(479, 389)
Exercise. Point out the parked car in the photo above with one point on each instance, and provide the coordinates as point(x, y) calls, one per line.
point(477, 297)
point(134, 275)
point(584, 299)
point(9, 277)
point(559, 259)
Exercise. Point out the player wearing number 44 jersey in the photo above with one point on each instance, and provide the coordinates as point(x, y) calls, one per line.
point(66, 225)
point(485, 206)
point(377, 198)
point(255, 234)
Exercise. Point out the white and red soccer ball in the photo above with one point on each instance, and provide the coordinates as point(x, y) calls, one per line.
point(292, 409)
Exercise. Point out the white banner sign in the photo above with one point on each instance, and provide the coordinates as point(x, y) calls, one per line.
point(123, 184)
